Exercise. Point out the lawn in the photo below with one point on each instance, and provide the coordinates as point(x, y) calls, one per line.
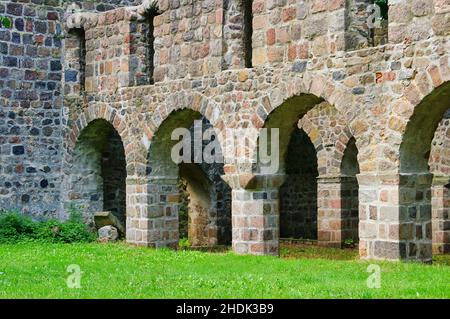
point(122, 271)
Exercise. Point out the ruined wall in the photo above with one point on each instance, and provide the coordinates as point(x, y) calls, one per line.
point(30, 107)
point(101, 5)
point(31, 103)
point(189, 42)
point(296, 30)
point(96, 182)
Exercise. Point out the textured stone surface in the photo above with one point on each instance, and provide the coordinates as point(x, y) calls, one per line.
point(108, 234)
point(385, 97)
point(103, 219)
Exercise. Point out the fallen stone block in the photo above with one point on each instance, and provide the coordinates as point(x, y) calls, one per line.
point(102, 219)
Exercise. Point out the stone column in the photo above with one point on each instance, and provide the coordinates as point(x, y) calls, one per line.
point(440, 195)
point(336, 218)
point(255, 213)
point(152, 211)
point(394, 216)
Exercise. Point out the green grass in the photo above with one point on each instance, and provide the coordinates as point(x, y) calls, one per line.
point(314, 252)
point(121, 271)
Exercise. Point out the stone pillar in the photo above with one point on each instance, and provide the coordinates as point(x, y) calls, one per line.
point(395, 218)
point(255, 213)
point(440, 195)
point(152, 211)
point(336, 217)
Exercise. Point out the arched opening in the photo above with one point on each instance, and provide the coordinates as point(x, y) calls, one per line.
point(194, 201)
point(298, 194)
point(349, 194)
point(318, 201)
point(440, 191)
point(97, 181)
point(425, 220)
point(298, 162)
point(237, 34)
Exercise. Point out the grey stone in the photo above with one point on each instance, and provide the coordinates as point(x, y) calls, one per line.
point(108, 234)
point(102, 219)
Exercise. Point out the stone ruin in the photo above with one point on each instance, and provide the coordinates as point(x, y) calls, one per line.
point(90, 92)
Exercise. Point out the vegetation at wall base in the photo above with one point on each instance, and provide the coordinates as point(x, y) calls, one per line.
point(15, 227)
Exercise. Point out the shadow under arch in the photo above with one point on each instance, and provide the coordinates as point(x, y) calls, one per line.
point(97, 176)
point(315, 203)
point(416, 144)
point(296, 159)
point(350, 194)
point(423, 197)
point(194, 187)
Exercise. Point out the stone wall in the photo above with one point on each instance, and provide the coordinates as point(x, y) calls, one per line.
point(385, 97)
point(31, 101)
point(373, 92)
point(190, 39)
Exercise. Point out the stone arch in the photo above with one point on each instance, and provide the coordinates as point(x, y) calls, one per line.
point(330, 193)
point(330, 134)
point(190, 101)
point(439, 163)
point(422, 126)
point(258, 191)
point(338, 167)
point(422, 195)
point(285, 118)
point(209, 206)
point(93, 113)
point(395, 206)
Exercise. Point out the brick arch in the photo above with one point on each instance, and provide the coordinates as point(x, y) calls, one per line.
point(313, 84)
point(96, 113)
point(209, 222)
point(330, 139)
point(423, 106)
point(405, 109)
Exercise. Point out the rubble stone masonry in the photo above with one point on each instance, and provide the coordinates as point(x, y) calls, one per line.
point(372, 104)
